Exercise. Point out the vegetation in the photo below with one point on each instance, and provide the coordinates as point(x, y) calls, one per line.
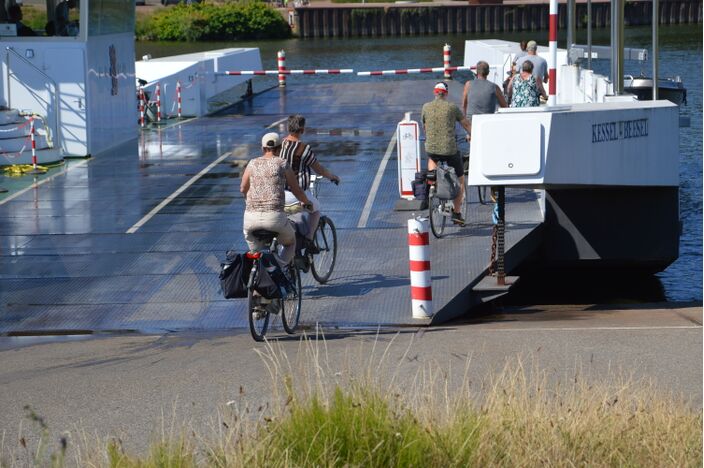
point(520, 417)
point(210, 22)
point(34, 17)
point(377, 1)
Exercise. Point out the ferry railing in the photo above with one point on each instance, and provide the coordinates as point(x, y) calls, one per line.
point(9, 50)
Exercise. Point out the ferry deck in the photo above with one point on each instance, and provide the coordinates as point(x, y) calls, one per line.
point(131, 240)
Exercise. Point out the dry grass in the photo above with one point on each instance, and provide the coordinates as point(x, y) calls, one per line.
point(323, 417)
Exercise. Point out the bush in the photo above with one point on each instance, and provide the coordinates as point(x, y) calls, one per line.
point(210, 22)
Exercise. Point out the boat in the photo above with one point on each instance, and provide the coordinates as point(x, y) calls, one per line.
point(671, 89)
point(79, 89)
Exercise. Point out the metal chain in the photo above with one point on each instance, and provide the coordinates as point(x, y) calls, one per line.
point(492, 258)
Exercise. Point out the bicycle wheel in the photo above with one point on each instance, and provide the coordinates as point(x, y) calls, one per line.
point(437, 217)
point(326, 240)
point(258, 316)
point(291, 305)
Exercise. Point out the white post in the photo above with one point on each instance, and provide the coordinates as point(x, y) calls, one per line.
point(281, 61)
point(552, 72)
point(419, 253)
point(158, 102)
point(178, 98)
point(34, 144)
point(141, 107)
point(446, 53)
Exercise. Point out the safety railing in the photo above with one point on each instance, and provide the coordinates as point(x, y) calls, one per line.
point(57, 110)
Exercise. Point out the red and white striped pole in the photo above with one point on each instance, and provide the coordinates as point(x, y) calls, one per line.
point(446, 52)
point(141, 107)
point(34, 143)
point(419, 253)
point(281, 62)
point(178, 98)
point(158, 102)
point(552, 71)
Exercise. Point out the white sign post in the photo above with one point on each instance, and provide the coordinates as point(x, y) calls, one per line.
point(408, 144)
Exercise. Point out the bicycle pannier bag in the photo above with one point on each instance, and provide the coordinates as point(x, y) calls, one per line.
point(234, 275)
point(420, 186)
point(270, 281)
point(447, 186)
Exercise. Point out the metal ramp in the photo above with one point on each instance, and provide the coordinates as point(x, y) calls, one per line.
point(67, 264)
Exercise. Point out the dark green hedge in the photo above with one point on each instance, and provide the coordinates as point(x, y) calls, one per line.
point(214, 22)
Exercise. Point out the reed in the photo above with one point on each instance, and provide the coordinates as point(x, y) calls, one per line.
point(367, 412)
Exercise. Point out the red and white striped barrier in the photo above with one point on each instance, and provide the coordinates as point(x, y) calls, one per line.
point(408, 71)
point(178, 99)
point(34, 143)
point(281, 63)
point(552, 72)
point(419, 253)
point(141, 106)
point(446, 53)
point(158, 102)
point(340, 71)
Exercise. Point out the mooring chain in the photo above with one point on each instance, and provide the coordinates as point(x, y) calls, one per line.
point(492, 258)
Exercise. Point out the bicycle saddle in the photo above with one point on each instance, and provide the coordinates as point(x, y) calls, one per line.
point(264, 235)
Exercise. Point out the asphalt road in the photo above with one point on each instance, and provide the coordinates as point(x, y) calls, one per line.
point(128, 386)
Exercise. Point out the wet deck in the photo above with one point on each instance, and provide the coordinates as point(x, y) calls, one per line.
point(67, 263)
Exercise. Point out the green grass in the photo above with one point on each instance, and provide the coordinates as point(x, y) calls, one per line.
point(517, 417)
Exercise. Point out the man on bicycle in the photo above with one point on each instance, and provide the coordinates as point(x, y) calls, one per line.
point(300, 158)
point(439, 117)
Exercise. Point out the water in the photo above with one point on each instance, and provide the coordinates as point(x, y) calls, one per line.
point(680, 54)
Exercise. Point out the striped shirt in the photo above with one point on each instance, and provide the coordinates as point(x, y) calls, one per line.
point(299, 157)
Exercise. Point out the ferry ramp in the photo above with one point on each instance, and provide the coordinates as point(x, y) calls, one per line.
point(132, 240)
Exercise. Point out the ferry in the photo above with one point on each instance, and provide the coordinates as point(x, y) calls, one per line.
point(135, 234)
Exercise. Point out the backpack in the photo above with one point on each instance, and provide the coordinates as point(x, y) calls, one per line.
point(420, 186)
point(234, 274)
point(447, 185)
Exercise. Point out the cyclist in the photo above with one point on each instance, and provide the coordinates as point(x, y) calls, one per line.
point(439, 117)
point(300, 158)
point(263, 185)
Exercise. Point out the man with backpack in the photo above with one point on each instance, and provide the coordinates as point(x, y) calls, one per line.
point(439, 117)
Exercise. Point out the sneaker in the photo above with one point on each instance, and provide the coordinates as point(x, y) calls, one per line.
point(311, 248)
point(457, 218)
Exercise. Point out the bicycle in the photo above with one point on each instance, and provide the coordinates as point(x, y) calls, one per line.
point(259, 309)
point(321, 263)
point(440, 209)
point(481, 189)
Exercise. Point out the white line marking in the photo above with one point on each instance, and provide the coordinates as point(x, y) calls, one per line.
point(673, 327)
point(366, 211)
point(277, 122)
point(178, 192)
point(44, 181)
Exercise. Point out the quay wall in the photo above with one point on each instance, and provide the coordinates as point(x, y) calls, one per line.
point(379, 20)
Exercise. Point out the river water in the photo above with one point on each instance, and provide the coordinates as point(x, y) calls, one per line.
point(680, 54)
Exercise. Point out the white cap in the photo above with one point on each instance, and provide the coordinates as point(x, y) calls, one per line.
point(440, 88)
point(271, 140)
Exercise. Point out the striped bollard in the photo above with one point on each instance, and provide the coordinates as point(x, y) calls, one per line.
point(446, 52)
point(158, 102)
point(141, 107)
point(281, 62)
point(34, 144)
point(552, 71)
point(419, 253)
point(178, 98)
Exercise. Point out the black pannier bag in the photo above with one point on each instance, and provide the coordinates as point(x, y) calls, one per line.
point(447, 185)
point(420, 186)
point(234, 275)
point(270, 281)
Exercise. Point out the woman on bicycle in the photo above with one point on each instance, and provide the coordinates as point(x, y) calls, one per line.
point(263, 185)
point(301, 159)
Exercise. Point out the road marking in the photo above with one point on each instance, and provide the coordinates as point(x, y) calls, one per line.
point(366, 211)
point(673, 327)
point(44, 181)
point(178, 192)
point(277, 122)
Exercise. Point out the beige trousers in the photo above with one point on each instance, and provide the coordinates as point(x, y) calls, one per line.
point(276, 221)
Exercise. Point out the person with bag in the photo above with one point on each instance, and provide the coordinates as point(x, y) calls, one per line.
point(301, 159)
point(263, 185)
point(439, 118)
